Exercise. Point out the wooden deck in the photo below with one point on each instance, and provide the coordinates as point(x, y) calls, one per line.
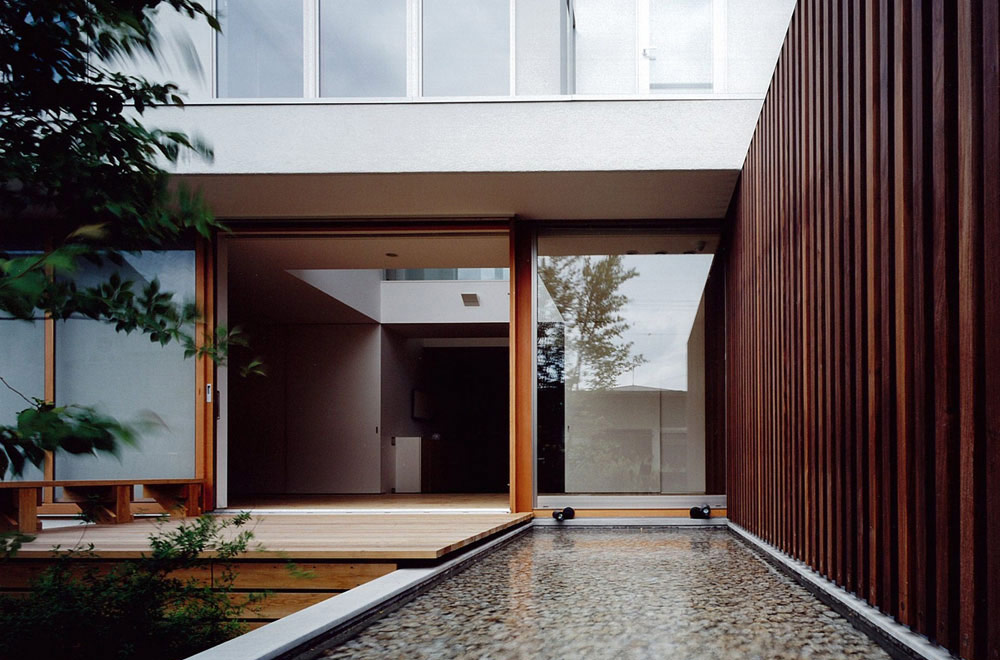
point(314, 536)
point(331, 552)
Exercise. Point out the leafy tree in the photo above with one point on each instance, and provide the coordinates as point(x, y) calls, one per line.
point(586, 291)
point(139, 608)
point(81, 182)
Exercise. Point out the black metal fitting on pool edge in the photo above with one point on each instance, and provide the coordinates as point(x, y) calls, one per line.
point(564, 514)
point(701, 512)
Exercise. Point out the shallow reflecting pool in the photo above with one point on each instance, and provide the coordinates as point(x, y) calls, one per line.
point(615, 593)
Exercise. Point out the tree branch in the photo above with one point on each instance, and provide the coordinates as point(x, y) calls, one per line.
point(9, 387)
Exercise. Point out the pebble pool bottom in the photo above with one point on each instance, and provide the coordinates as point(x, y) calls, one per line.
point(614, 593)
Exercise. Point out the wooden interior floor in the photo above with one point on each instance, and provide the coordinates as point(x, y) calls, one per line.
point(395, 536)
point(402, 501)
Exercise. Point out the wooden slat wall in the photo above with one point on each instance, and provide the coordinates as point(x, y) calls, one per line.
point(862, 265)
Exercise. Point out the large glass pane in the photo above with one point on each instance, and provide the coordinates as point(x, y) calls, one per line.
point(620, 370)
point(260, 48)
point(680, 33)
point(22, 366)
point(362, 48)
point(129, 377)
point(466, 48)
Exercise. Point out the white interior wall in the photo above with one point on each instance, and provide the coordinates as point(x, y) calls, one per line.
point(695, 405)
point(400, 361)
point(360, 289)
point(441, 302)
point(334, 405)
point(254, 443)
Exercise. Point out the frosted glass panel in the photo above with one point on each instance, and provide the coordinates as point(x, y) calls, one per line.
point(22, 364)
point(260, 48)
point(362, 48)
point(128, 376)
point(680, 32)
point(466, 47)
point(605, 42)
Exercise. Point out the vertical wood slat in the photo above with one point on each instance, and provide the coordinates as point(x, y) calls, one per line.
point(862, 303)
point(991, 314)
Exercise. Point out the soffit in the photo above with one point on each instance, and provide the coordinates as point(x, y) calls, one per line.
point(611, 195)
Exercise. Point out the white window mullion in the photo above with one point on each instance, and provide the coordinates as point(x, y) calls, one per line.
point(414, 43)
point(513, 47)
point(643, 43)
point(310, 48)
point(720, 60)
point(214, 58)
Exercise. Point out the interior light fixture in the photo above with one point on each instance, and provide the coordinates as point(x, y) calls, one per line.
point(470, 299)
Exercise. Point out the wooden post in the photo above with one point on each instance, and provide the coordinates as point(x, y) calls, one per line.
point(49, 469)
point(522, 380)
point(205, 373)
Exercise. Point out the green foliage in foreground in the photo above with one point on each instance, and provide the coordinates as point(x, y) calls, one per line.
point(138, 609)
point(83, 182)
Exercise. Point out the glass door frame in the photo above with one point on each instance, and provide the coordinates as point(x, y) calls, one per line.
point(543, 504)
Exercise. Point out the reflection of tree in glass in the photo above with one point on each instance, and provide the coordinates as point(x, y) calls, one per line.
point(586, 292)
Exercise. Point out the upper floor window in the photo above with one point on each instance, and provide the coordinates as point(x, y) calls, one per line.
point(260, 48)
point(477, 48)
point(362, 48)
point(466, 48)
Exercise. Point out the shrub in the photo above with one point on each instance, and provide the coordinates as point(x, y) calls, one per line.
point(137, 609)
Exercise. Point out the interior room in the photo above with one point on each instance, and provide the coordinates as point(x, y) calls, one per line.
point(385, 370)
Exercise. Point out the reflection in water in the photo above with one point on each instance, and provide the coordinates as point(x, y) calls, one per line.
point(614, 593)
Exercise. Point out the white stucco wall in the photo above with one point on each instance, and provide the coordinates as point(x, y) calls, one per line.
point(295, 138)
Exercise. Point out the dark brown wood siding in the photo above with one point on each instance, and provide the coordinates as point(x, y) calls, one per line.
point(862, 268)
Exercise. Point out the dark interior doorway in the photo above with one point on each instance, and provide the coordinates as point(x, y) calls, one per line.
point(466, 448)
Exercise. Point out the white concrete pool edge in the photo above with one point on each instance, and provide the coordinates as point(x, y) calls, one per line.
point(847, 604)
point(293, 631)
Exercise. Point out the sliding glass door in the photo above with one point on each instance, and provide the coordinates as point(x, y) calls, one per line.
point(621, 363)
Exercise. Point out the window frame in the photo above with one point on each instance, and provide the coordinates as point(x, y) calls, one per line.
point(311, 45)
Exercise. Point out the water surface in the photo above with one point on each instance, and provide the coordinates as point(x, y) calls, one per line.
point(615, 593)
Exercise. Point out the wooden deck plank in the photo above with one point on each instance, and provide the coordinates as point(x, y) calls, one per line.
point(318, 536)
